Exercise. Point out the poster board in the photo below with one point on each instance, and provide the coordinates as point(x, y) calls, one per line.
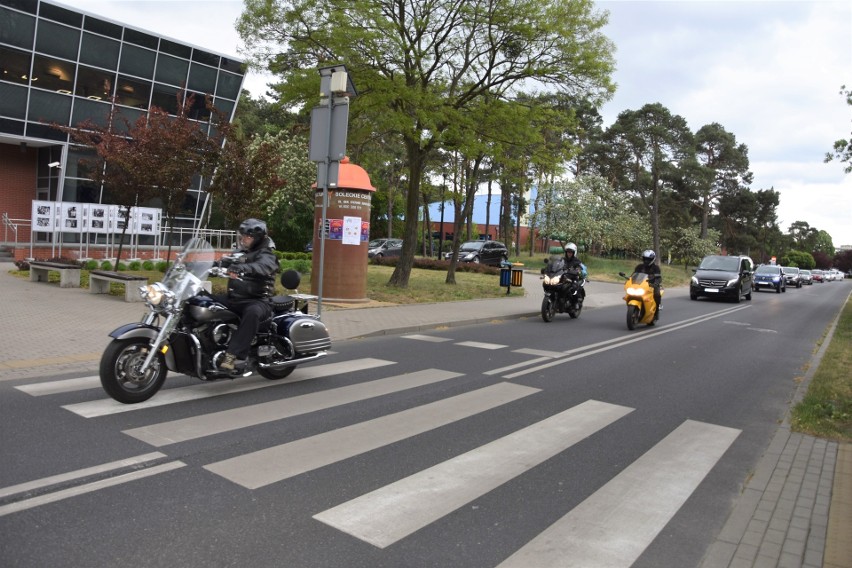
point(72, 217)
point(44, 217)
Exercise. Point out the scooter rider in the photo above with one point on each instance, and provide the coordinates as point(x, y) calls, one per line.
point(655, 277)
point(251, 279)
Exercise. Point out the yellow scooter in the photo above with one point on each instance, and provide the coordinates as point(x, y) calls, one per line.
point(639, 296)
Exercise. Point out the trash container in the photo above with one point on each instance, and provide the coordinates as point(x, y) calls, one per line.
point(511, 275)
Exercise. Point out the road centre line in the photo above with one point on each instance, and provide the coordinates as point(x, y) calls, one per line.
point(277, 463)
point(390, 513)
point(165, 433)
point(615, 525)
point(88, 488)
point(107, 406)
point(624, 340)
point(80, 473)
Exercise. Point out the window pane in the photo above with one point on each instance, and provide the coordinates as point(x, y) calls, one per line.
point(101, 27)
point(137, 61)
point(171, 70)
point(16, 28)
point(99, 51)
point(53, 74)
point(229, 85)
point(132, 115)
point(202, 78)
point(30, 6)
point(49, 107)
point(140, 38)
point(165, 97)
point(198, 110)
point(132, 92)
point(62, 15)
point(86, 109)
point(94, 83)
point(57, 40)
point(204, 57)
point(8, 126)
point(232, 65)
point(45, 131)
point(225, 107)
point(173, 48)
point(13, 100)
point(14, 65)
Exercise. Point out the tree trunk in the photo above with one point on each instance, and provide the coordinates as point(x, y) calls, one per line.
point(416, 157)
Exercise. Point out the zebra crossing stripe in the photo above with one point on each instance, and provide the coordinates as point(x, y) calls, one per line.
point(108, 406)
point(391, 513)
point(274, 464)
point(194, 427)
point(481, 345)
point(617, 523)
point(56, 387)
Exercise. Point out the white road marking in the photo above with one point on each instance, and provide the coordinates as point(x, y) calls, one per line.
point(88, 488)
point(430, 338)
point(274, 464)
point(508, 368)
point(56, 387)
point(616, 524)
point(395, 511)
point(539, 352)
point(481, 345)
point(108, 406)
point(78, 474)
point(194, 427)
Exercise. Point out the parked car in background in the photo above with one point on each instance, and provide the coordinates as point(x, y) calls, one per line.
point(769, 276)
point(805, 277)
point(723, 277)
point(791, 275)
point(378, 248)
point(485, 252)
point(818, 276)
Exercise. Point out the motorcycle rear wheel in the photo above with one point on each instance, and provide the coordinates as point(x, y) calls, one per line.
point(120, 375)
point(276, 375)
point(548, 309)
point(632, 317)
point(284, 351)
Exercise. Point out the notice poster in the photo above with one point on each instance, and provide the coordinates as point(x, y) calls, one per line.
point(365, 231)
point(72, 218)
point(146, 221)
point(44, 217)
point(97, 217)
point(335, 229)
point(351, 230)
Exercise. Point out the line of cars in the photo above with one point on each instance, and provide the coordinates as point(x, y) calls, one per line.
point(734, 277)
point(494, 253)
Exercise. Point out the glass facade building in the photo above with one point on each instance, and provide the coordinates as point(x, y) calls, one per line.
point(60, 65)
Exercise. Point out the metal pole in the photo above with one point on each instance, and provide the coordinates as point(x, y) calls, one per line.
point(329, 101)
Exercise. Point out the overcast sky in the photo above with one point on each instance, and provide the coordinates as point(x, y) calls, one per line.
point(768, 71)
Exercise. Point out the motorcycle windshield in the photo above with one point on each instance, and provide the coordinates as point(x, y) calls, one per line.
point(191, 265)
point(639, 277)
point(555, 266)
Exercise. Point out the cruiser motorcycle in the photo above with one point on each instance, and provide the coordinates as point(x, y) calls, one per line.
point(186, 331)
point(564, 290)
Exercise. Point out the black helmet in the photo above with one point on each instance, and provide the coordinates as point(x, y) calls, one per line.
point(648, 257)
point(255, 228)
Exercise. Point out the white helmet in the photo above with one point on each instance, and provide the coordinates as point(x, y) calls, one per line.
point(572, 247)
point(648, 256)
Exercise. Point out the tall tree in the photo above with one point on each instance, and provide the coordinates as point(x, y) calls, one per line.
point(419, 64)
point(727, 166)
point(645, 146)
point(843, 148)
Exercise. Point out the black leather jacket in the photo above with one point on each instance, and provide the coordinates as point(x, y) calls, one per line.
point(258, 267)
point(655, 277)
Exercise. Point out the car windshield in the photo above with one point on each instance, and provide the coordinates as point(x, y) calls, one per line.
point(791, 269)
point(726, 263)
point(805, 272)
point(767, 269)
point(472, 246)
point(376, 243)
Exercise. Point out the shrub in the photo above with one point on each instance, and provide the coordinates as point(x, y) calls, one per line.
point(106, 265)
point(148, 265)
point(91, 265)
point(162, 266)
point(134, 265)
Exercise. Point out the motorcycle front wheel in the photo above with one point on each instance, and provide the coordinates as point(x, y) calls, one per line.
point(548, 309)
point(632, 317)
point(575, 309)
point(120, 372)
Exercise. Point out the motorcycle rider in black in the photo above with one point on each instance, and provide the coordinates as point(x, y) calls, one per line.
point(655, 277)
point(572, 263)
point(251, 280)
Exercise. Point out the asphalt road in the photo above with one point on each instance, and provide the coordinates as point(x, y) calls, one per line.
point(505, 444)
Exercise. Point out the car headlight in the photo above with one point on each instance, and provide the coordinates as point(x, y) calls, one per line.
point(776, 278)
point(695, 280)
point(733, 281)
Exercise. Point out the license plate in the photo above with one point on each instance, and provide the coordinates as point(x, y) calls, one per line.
point(714, 290)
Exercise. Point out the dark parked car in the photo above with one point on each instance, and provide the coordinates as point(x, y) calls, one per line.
point(791, 275)
point(485, 252)
point(769, 276)
point(378, 248)
point(723, 277)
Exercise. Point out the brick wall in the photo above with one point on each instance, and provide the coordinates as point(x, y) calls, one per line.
point(18, 173)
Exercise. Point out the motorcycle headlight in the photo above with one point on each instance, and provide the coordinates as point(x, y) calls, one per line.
point(635, 292)
point(156, 294)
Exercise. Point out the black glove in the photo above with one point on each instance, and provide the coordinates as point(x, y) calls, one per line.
point(237, 270)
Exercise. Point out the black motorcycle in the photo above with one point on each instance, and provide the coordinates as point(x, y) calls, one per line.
point(186, 331)
point(564, 289)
